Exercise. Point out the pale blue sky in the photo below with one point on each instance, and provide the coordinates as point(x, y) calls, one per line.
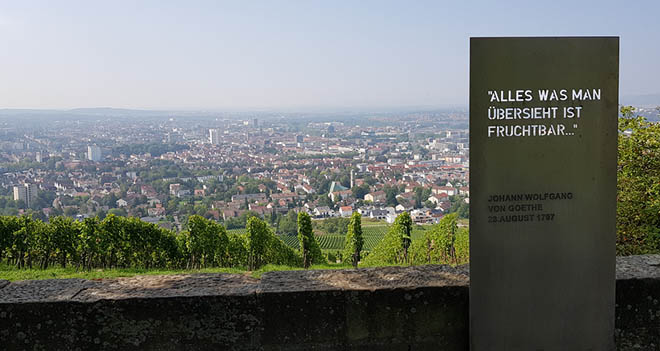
point(286, 54)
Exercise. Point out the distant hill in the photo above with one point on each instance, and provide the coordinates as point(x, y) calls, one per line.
point(647, 105)
point(96, 111)
point(109, 111)
point(648, 100)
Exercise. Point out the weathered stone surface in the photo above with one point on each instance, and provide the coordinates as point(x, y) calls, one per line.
point(364, 278)
point(3, 283)
point(390, 308)
point(426, 317)
point(638, 267)
point(176, 312)
point(303, 319)
point(638, 303)
point(43, 290)
point(188, 285)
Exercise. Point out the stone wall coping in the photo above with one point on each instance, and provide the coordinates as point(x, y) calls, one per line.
point(223, 284)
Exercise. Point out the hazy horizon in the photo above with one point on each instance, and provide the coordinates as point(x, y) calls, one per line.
point(285, 56)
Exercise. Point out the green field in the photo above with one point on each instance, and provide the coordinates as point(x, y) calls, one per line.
point(290, 240)
point(373, 233)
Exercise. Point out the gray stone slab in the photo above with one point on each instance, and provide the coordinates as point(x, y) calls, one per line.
point(180, 285)
point(638, 267)
point(543, 205)
point(50, 290)
point(363, 279)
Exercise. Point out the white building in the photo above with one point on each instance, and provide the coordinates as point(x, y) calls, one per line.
point(94, 153)
point(214, 136)
point(345, 211)
point(25, 192)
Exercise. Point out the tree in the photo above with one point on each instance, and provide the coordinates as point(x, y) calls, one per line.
point(305, 237)
point(24, 241)
point(237, 250)
point(464, 210)
point(325, 200)
point(207, 242)
point(405, 225)
point(279, 253)
point(88, 243)
point(390, 194)
point(257, 242)
point(119, 212)
point(462, 246)
point(110, 200)
point(354, 239)
point(419, 196)
point(394, 246)
point(438, 245)
point(309, 248)
point(334, 225)
point(8, 225)
point(638, 185)
point(65, 232)
point(360, 191)
point(288, 224)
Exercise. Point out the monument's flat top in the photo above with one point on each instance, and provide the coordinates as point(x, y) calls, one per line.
point(189, 285)
point(365, 278)
point(638, 267)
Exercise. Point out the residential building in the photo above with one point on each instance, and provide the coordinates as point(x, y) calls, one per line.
point(345, 211)
point(174, 189)
point(323, 211)
point(376, 197)
point(25, 192)
point(214, 137)
point(94, 153)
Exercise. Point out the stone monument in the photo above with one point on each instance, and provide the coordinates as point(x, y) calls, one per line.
point(543, 149)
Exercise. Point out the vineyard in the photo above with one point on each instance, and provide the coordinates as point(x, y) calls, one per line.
point(373, 234)
point(122, 243)
point(290, 240)
point(242, 231)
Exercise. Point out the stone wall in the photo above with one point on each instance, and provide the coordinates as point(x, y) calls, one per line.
point(637, 303)
point(390, 308)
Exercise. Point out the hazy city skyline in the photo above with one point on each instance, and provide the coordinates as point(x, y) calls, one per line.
point(287, 54)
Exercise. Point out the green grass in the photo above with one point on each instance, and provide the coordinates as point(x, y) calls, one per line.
point(368, 222)
point(13, 274)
